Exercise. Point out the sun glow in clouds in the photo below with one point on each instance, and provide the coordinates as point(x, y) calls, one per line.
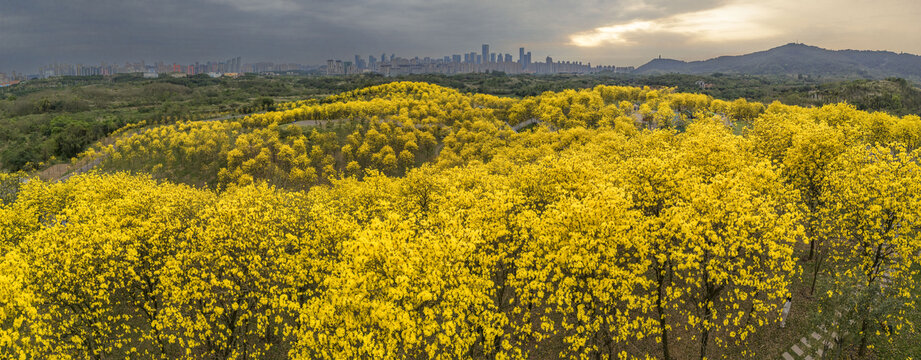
point(733, 22)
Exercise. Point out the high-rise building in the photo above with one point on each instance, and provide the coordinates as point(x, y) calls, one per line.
point(473, 61)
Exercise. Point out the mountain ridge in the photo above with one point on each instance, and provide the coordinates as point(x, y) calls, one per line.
point(799, 59)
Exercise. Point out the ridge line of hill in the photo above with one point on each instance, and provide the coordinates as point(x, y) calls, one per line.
point(795, 59)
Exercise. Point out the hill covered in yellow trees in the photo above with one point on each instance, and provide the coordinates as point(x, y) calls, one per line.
point(409, 220)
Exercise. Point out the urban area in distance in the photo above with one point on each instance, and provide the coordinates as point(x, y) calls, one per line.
point(388, 65)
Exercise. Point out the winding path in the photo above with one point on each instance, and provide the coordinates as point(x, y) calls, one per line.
point(95, 162)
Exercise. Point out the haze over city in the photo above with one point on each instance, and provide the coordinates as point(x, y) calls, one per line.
point(620, 32)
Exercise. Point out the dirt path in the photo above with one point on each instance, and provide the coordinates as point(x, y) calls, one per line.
point(58, 173)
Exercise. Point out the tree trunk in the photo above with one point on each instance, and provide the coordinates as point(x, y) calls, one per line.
point(815, 274)
point(862, 350)
point(708, 312)
point(704, 337)
point(662, 322)
point(811, 249)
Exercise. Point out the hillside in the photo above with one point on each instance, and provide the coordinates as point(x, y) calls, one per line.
point(46, 122)
point(895, 96)
point(409, 220)
point(799, 59)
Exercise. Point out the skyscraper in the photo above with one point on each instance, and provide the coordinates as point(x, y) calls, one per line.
point(485, 53)
point(521, 56)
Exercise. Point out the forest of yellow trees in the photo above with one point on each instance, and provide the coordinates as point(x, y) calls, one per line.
point(408, 221)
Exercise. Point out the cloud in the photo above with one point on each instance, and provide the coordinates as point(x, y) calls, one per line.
point(621, 32)
point(260, 6)
point(732, 22)
point(305, 31)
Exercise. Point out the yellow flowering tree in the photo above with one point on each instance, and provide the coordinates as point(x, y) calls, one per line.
point(872, 212)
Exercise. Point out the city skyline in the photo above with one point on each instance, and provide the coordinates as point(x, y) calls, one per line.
point(619, 32)
point(468, 62)
point(391, 64)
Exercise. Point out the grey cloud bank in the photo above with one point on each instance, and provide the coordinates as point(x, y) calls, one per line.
point(618, 32)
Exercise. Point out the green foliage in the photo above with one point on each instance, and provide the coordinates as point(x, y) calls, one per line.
point(131, 99)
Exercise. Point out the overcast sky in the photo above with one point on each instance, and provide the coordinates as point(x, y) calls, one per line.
point(612, 32)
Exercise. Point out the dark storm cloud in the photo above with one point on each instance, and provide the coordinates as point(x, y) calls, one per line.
point(621, 32)
point(43, 31)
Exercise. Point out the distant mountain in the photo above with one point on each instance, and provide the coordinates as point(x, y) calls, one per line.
point(795, 59)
